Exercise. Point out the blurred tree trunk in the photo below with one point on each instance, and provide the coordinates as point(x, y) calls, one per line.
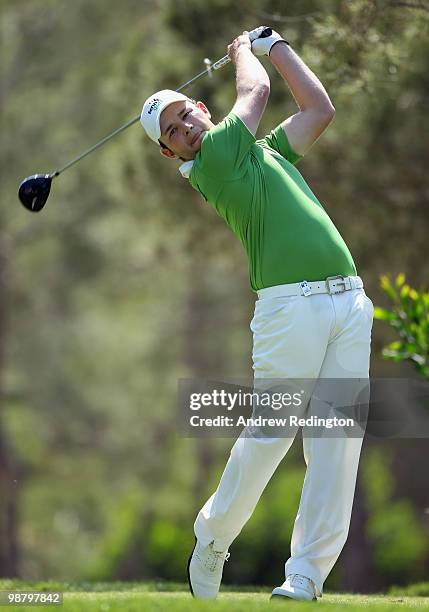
point(358, 575)
point(8, 490)
point(8, 513)
point(198, 358)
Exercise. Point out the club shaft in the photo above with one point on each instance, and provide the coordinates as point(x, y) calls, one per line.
point(96, 146)
point(221, 62)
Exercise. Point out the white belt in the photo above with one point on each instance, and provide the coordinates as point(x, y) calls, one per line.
point(331, 285)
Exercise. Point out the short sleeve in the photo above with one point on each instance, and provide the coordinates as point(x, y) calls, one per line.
point(278, 141)
point(225, 148)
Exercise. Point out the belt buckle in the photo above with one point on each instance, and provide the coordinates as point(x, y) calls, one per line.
point(305, 288)
point(334, 290)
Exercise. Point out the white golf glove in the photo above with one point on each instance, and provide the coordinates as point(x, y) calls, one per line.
point(262, 46)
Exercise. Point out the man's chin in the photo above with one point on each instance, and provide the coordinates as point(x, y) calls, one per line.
point(197, 144)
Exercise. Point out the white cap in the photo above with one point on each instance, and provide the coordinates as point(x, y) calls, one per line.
point(152, 109)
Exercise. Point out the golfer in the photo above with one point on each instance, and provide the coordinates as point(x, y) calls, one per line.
point(312, 318)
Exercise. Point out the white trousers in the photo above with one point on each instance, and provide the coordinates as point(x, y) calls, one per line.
point(314, 337)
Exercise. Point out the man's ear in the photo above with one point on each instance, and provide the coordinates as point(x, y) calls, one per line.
point(204, 108)
point(167, 153)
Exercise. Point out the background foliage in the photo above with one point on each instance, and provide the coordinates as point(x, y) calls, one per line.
point(128, 281)
point(410, 318)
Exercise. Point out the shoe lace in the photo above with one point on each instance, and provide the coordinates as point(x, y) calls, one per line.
point(214, 558)
point(299, 580)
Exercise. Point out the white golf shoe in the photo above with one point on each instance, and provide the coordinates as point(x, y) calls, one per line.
point(205, 567)
point(296, 587)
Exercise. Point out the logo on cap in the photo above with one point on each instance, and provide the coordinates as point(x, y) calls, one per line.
point(155, 104)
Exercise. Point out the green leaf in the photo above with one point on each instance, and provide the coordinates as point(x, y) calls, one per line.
point(388, 288)
point(405, 290)
point(400, 279)
point(395, 346)
point(382, 314)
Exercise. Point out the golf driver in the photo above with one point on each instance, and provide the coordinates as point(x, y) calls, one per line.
point(34, 190)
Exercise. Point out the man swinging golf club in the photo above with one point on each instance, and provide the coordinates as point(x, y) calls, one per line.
point(312, 318)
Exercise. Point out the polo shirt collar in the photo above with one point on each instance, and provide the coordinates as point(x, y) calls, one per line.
point(185, 168)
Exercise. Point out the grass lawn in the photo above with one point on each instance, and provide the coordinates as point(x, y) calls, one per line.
point(170, 597)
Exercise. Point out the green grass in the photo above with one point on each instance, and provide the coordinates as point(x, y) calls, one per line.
point(172, 597)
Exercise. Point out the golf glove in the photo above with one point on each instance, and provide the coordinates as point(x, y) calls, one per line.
point(262, 46)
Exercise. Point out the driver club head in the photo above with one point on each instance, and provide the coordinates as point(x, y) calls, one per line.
point(34, 191)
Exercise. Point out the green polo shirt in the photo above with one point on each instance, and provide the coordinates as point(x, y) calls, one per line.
point(254, 185)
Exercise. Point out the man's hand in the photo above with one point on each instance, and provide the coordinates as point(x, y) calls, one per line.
point(254, 34)
point(262, 46)
point(241, 41)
